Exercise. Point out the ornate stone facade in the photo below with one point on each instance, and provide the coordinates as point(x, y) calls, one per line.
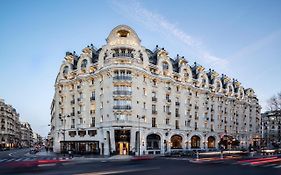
point(124, 98)
point(10, 126)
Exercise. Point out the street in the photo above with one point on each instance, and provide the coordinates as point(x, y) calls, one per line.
point(52, 165)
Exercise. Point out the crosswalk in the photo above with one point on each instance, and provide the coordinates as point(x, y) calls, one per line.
point(25, 159)
point(268, 162)
point(264, 162)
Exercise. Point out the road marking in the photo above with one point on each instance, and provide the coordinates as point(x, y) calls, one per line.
point(19, 159)
point(119, 171)
point(11, 154)
point(3, 160)
point(26, 159)
point(279, 166)
point(49, 164)
point(269, 165)
point(10, 160)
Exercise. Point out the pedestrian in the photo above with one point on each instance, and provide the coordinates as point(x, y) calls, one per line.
point(47, 149)
point(70, 155)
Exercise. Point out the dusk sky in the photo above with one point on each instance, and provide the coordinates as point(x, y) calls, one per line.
point(239, 38)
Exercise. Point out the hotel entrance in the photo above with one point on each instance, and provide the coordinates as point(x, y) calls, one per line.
point(122, 148)
point(122, 140)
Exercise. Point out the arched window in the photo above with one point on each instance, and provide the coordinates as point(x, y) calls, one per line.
point(195, 142)
point(84, 63)
point(211, 142)
point(176, 141)
point(204, 82)
point(165, 66)
point(153, 141)
point(218, 86)
point(65, 70)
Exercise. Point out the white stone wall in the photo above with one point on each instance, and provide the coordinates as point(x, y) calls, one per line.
point(192, 92)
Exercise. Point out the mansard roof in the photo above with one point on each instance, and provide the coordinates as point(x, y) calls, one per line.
point(123, 36)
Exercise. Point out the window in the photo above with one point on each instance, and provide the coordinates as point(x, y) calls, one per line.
point(167, 121)
point(144, 105)
point(144, 91)
point(65, 70)
point(93, 124)
point(165, 66)
point(154, 82)
point(177, 124)
point(153, 107)
point(84, 63)
point(153, 122)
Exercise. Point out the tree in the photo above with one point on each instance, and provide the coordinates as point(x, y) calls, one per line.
point(274, 103)
point(274, 106)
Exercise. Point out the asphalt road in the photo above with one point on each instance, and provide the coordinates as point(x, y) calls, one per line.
point(14, 153)
point(159, 166)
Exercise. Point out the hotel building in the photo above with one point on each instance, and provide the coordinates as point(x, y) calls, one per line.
point(126, 99)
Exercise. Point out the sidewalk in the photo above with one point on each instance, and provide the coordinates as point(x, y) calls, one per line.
point(86, 157)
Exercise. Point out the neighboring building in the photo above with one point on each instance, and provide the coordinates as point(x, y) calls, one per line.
point(271, 128)
point(124, 98)
point(37, 139)
point(26, 135)
point(10, 126)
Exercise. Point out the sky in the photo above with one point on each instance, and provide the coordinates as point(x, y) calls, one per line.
point(241, 39)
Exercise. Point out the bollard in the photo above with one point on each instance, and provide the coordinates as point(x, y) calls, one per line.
point(197, 155)
point(221, 155)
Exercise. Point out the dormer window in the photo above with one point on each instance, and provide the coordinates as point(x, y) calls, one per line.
point(123, 33)
point(65, 70)
point(165, 66)
point(84, 63)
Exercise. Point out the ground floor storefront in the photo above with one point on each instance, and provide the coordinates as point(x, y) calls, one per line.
point(142, 141)
point(80, 147)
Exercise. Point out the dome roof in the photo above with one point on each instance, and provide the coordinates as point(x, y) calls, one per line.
point(123, 35)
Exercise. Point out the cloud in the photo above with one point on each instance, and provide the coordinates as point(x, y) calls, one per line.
point(256, 45)
point(156, 22)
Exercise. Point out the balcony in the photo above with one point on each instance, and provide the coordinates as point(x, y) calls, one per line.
point(72, 126)
point(126, 55)
point(154, 112)
point(177, 115)
point(122, 92)
point(154, 99)
point(169, 113)
point(168, 100)
point(72, 114)
point(92, 98)
point(177, 103)
point(125, 107)
point(169, 88)
point(122, 78)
